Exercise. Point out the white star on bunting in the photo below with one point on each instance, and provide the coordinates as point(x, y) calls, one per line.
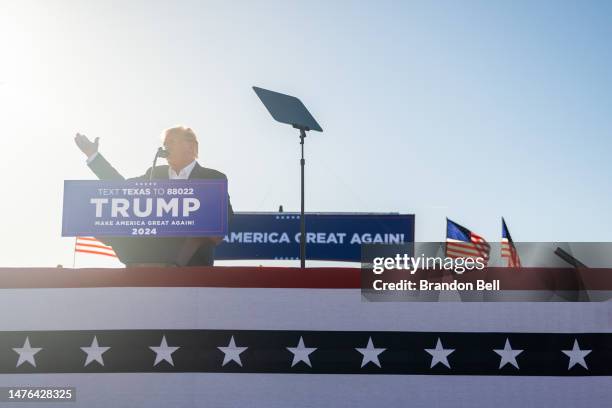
point(439, 354)
point(26, 353)
point(301, 353)
point(232, 353)
point(508, 355)
point(163, 352)
point(370, 353)
point(94, 352)
point(576, 355)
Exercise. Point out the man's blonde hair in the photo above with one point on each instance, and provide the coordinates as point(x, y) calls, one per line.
point(186, 133)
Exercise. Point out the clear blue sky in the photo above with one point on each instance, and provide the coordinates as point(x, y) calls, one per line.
point(465, 109)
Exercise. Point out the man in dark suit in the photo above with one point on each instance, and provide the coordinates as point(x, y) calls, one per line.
point(181, 144)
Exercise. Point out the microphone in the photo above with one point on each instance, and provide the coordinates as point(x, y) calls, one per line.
point(161, 152)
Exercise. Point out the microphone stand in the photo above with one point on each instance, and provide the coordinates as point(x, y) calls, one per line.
point(161, 152)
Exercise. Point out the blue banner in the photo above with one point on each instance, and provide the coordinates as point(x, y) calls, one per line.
point(167, 208)
point(329, 236)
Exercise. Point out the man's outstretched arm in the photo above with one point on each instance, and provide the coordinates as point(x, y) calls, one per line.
point(96, 162)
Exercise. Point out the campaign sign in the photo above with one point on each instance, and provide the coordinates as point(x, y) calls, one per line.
point(329, 236)
point(166, 208)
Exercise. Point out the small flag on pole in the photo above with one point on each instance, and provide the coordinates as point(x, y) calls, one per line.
point(463, 243)
point(508, 250)
point(90, 245)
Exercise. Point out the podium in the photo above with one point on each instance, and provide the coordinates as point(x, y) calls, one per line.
point(158, 223)
point(153, 251)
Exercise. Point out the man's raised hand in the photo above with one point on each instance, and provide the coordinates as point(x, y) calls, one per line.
point(85, 145)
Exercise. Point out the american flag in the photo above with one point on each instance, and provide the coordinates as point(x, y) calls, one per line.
point(90, 245)
point(463, 243)
point(508, 250)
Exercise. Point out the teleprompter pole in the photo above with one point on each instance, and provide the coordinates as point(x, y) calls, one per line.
point(290, 110)
point(302, 217)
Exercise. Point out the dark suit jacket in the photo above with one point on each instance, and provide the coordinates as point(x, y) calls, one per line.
point(105, 171)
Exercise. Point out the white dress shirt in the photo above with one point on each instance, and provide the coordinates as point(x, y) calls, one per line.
point(183, 174)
